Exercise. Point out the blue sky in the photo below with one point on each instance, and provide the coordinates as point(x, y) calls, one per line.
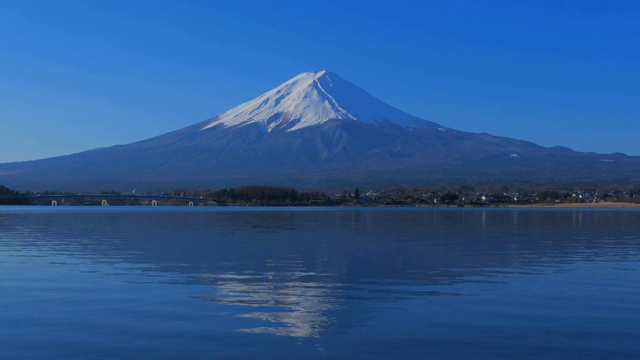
point(76, 75)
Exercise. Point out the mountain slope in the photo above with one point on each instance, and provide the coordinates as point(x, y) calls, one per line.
point(311, 99)
point(317, 131)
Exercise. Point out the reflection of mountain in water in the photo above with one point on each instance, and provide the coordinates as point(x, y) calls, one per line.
point(305, 273)
point(297, 307)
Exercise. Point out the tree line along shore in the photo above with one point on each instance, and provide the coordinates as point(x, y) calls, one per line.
point(260, 195)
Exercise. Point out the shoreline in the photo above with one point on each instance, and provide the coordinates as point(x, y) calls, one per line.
point(601, 205)
point(579, 205)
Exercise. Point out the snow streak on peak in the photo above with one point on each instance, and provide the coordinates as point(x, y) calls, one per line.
point(313, 98)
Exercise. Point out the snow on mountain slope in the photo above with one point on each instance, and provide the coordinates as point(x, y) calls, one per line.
point(311, 99)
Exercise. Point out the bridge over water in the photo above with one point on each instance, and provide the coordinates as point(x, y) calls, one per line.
point(106, 199)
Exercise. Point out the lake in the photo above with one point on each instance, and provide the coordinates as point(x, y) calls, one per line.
point(315, 283)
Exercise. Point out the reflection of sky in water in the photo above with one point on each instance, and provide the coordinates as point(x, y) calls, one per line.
point(293, 304)
point(354, 282)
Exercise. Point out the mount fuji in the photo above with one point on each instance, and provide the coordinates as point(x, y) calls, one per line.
point(320, 131)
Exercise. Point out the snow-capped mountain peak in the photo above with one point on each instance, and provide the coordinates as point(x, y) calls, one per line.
point(313, 98)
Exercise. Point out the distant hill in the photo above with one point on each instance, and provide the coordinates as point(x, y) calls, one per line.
point(320, 131)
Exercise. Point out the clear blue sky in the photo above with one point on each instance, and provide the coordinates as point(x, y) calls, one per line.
point(76, 75)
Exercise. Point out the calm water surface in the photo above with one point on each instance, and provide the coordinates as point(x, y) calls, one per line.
point(221, 283)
